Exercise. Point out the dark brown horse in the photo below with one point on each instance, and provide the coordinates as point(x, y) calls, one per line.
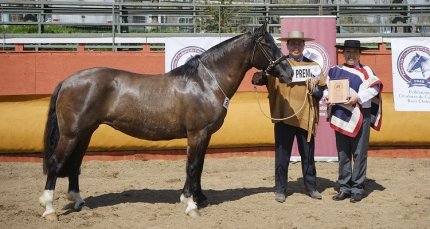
point(188, 102)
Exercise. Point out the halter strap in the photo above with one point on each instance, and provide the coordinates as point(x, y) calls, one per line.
point(272, 63)
point(226, 102)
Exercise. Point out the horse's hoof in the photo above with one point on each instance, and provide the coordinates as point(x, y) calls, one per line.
point(80, 207)
point(194, 213)
point(203, 204)
point(70, 197)
point(51, 217)
point(83, 208)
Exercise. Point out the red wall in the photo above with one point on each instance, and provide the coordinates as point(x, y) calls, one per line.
point(380, 62)
point(39, 72)
point(27, 73)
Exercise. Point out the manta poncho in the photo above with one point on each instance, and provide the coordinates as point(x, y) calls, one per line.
point(293, 100)
point(348, 119)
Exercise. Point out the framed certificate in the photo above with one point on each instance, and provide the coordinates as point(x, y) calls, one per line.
point(338, 91)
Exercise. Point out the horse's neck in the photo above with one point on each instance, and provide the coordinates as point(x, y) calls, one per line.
point(230, 71)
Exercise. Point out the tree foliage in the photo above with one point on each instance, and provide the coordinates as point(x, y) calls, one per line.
point(219, 17)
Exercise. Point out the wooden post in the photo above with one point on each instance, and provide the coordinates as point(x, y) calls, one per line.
point(146, 48)
point(19, 47)
point(382, 47)
point(81, 48)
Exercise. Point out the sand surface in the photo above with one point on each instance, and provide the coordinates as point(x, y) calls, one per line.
point(145, 194)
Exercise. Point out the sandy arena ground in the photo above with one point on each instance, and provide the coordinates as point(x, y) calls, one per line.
point(145, 194)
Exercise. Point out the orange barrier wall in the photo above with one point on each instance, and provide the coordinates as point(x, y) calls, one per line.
point(34, 73)
point(380, 62)
point(27, 78)
point(24, 73)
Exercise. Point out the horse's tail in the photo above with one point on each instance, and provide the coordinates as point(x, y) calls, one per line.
point(52, 133)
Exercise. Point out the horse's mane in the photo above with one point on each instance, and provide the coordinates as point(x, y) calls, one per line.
point(215, 53)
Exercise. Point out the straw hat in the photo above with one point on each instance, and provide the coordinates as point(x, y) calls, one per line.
point(296, 35)
point(351, 44)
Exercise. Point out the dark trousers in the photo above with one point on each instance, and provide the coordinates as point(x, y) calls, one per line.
point(284, 138)
point(352, 175)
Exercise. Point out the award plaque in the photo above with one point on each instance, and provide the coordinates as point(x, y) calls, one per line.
point(338, 91)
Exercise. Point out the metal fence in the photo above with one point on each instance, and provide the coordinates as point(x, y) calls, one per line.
point(113, 18)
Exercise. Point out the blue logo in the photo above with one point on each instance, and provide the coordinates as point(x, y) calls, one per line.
point(183, 55)
point(413, 65)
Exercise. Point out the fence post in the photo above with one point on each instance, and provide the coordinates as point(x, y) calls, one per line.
point(19, 47)
point(81, 47)
point(146, 48)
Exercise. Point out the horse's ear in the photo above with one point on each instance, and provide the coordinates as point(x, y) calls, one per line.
point(262, 30)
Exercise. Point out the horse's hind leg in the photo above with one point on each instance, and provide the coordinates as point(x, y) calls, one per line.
point(55, 166)
point(47, 198)
point(75, 161)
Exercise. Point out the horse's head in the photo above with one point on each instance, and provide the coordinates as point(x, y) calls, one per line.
point(267, 56)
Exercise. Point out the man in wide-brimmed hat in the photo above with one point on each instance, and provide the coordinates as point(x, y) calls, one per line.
point(294, 109)
point(352, 119)
point(296, 40)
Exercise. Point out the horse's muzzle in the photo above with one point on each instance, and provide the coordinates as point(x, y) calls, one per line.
point(287, 78)
point(284, 79)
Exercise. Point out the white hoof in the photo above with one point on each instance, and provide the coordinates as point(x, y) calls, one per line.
point(42, 201)
point(46, 200)
point(50, 215)
point(191, 205)
point(194, 213)
point(191, 209)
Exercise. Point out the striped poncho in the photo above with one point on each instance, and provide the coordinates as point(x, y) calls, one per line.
point(347, 119)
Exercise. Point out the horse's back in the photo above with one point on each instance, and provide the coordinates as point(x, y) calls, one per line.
point(102, 79)
point(97, 73)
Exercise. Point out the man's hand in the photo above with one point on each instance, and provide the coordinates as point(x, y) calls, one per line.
point(352, 100)
point(259, 78)
point(326, 101)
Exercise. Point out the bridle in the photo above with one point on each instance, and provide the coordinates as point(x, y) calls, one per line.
point(272, 63)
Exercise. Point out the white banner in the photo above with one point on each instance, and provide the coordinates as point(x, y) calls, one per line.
point(411, 73)
point(302, 73)
point(179, 50)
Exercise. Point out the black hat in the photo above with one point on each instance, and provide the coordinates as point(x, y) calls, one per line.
point(351, 44)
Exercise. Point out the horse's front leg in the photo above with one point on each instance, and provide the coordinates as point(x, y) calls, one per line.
point(192, 192)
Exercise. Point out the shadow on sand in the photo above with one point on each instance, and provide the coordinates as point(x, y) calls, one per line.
point(152, 196)
point(215, 197)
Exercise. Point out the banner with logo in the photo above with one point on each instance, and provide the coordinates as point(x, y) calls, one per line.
point(322, 51)
point(180, 49)
point(411, 73)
